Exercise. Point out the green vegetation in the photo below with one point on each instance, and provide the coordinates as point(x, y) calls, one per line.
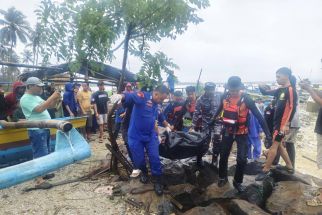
point(86, 31)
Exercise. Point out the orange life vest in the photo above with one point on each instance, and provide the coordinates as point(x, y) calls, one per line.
point(234, 115)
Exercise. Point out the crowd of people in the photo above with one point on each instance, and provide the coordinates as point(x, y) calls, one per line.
point(232, 116)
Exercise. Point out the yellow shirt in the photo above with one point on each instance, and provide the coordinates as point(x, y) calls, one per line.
point(84, 99)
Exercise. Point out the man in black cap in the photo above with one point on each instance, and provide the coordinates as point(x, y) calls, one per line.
point(233, 110)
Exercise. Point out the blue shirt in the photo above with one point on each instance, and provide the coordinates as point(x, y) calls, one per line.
point(144, 115)
point(118, 112)
point(254, 127)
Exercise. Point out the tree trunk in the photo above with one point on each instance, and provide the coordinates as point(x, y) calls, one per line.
point(113, 163)
point(125, 55)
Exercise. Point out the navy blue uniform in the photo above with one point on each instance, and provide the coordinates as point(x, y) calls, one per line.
point(141, 133)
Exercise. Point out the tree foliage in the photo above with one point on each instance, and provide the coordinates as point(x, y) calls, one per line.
point(14, 26)
point(153, 67)
point(145, 21)
point(81, 31)
point(86, 30)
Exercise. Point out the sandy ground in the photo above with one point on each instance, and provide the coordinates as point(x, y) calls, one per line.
point(81, 198)
point(75, 198)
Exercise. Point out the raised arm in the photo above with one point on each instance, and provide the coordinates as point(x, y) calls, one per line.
point(265, 90)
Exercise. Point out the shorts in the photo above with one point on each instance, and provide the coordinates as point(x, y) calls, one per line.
point(89, 121)
point(102, 119)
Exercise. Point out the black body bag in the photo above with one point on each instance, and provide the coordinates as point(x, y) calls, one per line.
point(181, 145)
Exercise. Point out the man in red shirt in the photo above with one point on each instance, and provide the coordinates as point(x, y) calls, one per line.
point(11, 99)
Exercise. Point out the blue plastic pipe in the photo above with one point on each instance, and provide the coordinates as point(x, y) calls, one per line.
point(70, 148)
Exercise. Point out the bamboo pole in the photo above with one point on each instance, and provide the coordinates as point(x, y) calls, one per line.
point(64, 126)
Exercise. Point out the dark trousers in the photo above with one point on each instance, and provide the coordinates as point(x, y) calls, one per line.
point(242, 150)
point(217, 139)
point(117, 129)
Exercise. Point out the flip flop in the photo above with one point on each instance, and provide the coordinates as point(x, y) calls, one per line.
point(315, 202)
point(289, 170)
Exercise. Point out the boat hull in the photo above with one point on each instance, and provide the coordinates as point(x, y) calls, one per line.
point(15, 146)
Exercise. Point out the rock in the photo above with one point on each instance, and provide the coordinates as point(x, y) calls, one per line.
point(258, 193)
point(215, 192)
point(290, 197)
point(214, 208)
point(242, 207)
point(282, 175)
point(181, 188)
point(206, 175)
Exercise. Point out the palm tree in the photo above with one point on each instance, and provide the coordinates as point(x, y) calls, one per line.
point(4, 50)
point(27, 56)
point(14, 26)
point(10, 73)
point(35, 38)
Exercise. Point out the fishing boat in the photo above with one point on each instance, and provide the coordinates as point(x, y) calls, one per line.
point(70, 147)
point(15, 147)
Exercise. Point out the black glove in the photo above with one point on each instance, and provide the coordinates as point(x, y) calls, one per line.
point(268, 142)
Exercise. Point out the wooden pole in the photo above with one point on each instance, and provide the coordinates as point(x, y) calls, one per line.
point(64, 126)
point(198, 82)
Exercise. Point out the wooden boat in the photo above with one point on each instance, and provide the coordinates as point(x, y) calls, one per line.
point(15, 146)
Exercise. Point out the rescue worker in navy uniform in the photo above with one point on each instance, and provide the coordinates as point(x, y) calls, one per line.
point(206, 108)
point(234, 109)
point(142, 131)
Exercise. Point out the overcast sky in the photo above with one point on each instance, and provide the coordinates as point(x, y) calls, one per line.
point(249, 38)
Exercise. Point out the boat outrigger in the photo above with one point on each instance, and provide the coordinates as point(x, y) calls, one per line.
point(15, 146)
point(70, 147)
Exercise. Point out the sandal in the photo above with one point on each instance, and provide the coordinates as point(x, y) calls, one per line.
point(315, 202)
point(289, 170)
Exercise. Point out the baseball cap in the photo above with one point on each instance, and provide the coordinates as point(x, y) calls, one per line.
point(34, 81)
point(210, 86)
point(129, 84)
